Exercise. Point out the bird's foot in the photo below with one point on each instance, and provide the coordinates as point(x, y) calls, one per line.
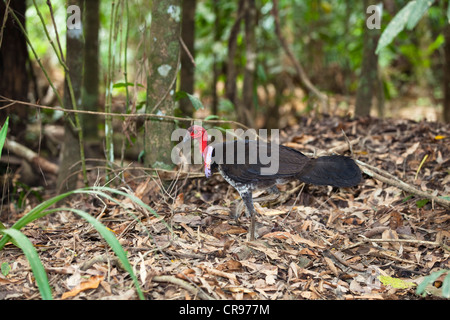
point(251, 235)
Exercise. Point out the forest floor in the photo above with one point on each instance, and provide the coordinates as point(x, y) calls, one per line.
point(313, 244)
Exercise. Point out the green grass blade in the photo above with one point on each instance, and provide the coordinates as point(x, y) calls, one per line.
point(101, 191)
point(112, 242)
point(39, 211)
point(32, 256)
point(3, 133)
point(42, 210)
point(33, 214)
point(394, 27)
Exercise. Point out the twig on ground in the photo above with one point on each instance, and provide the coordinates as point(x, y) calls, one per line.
point(416, 241)
point(31, 156)
point(384, 176)
point(387, 178)
point(342, 261)
point(183, 284)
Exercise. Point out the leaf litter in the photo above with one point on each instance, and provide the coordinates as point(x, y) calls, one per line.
point(373, 241)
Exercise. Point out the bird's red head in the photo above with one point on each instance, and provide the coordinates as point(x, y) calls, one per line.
point(199, 133)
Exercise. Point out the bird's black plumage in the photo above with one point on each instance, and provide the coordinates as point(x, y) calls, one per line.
point(337, 171)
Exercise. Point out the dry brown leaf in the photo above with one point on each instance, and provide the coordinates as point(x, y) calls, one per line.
point(267, 211)
point(230, 265)
point(332, 266)
point(189, 272)
point(222, 274)
point(91, 283)
point(179, 200)
point(190, 219)
point(307, 252)
point(269, 252)
point(408, 152)
point(284, 235)
point(396, 220)
point(238, 289)
point(390, 235)
point(225, 228)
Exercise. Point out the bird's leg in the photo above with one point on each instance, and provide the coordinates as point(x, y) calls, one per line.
point(250, 211)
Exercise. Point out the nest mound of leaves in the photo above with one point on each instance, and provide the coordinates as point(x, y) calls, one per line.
point(373, 241)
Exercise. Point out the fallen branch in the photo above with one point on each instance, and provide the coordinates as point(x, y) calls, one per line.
point(415, 241)
point(382, 175)
point(387, 178)
point(31, 156)
point(342, 261)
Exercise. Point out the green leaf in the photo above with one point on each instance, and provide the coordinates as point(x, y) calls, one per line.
point(407, 198)
point(421, 203)
point(429, 280)
point(3, 133)
point(395, 282)
point(436, 44)
point(5, 268)
point(141, 156)
point(212, 117)
point(396, 25)
point(418, 11)
point(448, 14)
point(180, 95)
point(446, 286)
point(36, 265)
point(194, 100)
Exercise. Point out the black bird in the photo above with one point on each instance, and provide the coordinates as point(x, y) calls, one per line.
point(248, 172)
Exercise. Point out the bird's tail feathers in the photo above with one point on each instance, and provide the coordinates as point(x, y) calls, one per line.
point(337, 171)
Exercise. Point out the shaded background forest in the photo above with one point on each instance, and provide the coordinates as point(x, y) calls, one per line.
point(264, 64)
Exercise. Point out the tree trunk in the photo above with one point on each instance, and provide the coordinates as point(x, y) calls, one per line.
point(13, 66)
point(246, 110)
point(70, 153)
point(230, 84)
point(163, 59)
point(187, 68)
point(216, 65)
point(368, 80)
point(446, 83)
point(91, 69)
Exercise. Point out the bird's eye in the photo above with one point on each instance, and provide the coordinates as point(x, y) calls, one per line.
point(195, 131)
